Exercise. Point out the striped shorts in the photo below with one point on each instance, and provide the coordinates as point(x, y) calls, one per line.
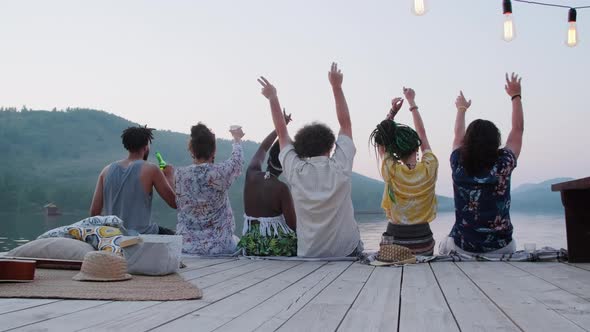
point(418, 238)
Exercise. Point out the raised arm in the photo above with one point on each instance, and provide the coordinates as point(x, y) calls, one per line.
point(227, 171)
point(270, 92)
point(258, 158)
point(410, 95)
point(462, 105)
point(396, 105)
point(513, 89)
point(162, 182)
point(335, 76)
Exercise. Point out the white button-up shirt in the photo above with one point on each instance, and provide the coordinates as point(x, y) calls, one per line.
point(321, 189)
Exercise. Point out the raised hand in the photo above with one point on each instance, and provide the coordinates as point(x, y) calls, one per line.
point(287, 117)
point(512, 85)
point(168, 170)
point(461, 103)
point(335, 76)
point(410, 95)
point(396, 105)
point(237, 133)
point(268, 90)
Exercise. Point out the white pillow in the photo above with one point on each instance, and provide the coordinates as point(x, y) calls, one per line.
point(53, 248)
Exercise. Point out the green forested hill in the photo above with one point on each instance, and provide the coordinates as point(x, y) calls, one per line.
point(56, 157)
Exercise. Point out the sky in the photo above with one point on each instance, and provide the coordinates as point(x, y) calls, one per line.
point(170, 64)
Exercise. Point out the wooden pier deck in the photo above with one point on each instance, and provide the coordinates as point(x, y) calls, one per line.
point(257, 295)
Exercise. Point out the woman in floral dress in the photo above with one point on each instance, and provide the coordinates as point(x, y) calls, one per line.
point(205, 218)
point(481, 180)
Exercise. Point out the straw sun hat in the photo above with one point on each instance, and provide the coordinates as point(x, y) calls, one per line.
point(103, 266)
point(392, 254)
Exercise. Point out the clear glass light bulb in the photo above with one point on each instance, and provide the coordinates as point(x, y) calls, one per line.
point(420, 7)
point(572, 34)
point(508, 27)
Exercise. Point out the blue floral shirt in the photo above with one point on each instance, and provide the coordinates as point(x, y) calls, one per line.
point(482, 204)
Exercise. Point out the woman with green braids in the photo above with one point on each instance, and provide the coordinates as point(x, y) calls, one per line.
point(408, 199)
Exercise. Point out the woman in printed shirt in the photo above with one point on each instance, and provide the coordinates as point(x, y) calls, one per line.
point(205, 218)
point(481, 180)
point(409, 200)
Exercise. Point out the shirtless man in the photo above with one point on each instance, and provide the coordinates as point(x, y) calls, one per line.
point(125, 187)
point(268, 204)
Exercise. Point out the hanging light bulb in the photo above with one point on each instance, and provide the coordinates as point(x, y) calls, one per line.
point(508, 24)
point(420, 7)
point(572, 31)
point(509, 32)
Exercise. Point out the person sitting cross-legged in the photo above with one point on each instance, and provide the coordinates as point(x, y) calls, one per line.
point(125, 187)
point(409, 198)
point(320, 181)
point(205, 217)
point(269, 219)
point(481, 180)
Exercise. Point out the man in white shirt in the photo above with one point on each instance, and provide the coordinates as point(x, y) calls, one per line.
point(320, 184)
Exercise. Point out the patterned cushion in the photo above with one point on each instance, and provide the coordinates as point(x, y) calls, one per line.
point(112, 221)
point(101, 238)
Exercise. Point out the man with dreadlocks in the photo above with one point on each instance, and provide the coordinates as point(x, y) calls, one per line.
point(125, 187)
point(408, 199)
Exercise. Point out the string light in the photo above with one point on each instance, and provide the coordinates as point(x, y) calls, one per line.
point(420, 7)
point(508, 24)
point(572, 30)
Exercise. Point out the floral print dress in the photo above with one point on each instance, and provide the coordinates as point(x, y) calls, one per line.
point(482, 205)
point(205, 218)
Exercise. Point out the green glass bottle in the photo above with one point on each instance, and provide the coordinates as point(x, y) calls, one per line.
point(161, 161)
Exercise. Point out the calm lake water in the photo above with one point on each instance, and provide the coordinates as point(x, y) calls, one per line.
point(543, 230)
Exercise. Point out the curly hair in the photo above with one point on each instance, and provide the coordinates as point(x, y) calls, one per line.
point(202, 143)
point(399, 140)
point(479, 151)
point(273, 164)
point(314, 140)
point(135, 138)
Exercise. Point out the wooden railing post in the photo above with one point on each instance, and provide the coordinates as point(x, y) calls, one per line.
point(575, 196)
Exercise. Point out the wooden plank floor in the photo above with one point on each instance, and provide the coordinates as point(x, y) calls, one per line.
point(257, 295)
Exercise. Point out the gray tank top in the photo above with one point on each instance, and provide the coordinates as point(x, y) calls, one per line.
point(125, 198)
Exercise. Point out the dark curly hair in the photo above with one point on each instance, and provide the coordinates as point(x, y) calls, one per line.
point(202, 143)
point(135, 138)
point(314, 140)
point(479, 151)
point(399, 140)
point(273, 164)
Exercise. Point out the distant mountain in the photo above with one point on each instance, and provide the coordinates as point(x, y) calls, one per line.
point(537, 197)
